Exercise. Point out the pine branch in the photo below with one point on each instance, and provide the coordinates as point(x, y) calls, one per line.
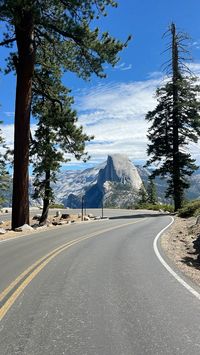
point(8, 41)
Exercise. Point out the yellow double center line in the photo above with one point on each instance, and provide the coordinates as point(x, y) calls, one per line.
point(13, 291)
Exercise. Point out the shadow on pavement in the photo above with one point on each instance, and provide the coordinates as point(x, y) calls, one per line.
point(141, 215)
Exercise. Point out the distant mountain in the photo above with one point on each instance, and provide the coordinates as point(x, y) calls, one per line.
point(116, 181)
point(192, 193)
point(117, 184)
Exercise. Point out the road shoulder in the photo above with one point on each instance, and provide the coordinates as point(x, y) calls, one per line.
point(181, 244)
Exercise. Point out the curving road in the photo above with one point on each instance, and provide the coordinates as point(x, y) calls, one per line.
point(94, 289)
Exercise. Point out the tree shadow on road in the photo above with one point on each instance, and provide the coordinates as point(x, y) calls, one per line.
point(193, 261)
point(141, 215)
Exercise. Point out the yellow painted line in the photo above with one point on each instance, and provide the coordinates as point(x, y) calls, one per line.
point(40, 264)
point(24, 273)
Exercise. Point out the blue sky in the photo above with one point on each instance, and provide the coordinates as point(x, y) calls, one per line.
point(113, 109)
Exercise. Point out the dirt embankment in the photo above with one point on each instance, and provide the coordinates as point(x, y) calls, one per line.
point(181, 244)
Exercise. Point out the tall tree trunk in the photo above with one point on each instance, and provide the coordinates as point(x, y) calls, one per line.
point(46, 200)
point(177, 193)
point(25, 69)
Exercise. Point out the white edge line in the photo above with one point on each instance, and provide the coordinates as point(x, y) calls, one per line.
point(169, 269)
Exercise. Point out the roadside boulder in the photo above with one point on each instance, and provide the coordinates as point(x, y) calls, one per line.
point(65, 216)
point(24, 228)
point(37, 217)
point(55, 223)
point(2, 231)
point(90, 215)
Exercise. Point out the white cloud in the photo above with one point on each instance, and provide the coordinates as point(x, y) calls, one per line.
point(8, 133)
point(123, 66)
point(115, 115)
point(195, 68)
point(128, 67)
point(155, 75)
point(195, 44)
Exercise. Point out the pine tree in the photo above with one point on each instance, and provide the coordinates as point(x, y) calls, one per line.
point(142, 195)
point(62, 30)
point(151, 192)
point(174, 123)
point(56, 135)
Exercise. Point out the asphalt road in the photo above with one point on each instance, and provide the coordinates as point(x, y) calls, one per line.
point(52, 212)
point(108, 294)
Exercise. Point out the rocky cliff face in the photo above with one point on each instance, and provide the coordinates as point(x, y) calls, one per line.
point(119, 169)
point(116, 183)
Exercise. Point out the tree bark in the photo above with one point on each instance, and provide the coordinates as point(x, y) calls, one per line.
point(24, 69)
point(46, 200)
point(177, 193)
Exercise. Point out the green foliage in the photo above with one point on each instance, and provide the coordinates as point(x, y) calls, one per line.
point(190, 209)
point(155, 207)
point(56, 135)
point(63, 30)
point(142, 195)
point(151, 192)
point(56, 205)
point(175, 122)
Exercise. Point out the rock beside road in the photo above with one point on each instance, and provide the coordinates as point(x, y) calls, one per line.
point(2, 231)
point(24, 228)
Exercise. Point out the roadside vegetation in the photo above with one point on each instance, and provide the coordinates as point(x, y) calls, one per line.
point(155, 207)
point(57, 205)
point(190, 209)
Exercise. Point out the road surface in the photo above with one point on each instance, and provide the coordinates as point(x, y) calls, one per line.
point(94, 289)
point(52, 212)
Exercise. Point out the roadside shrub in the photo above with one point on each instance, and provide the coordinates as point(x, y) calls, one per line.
point(56, 205)
point(155, 207)
point(190, 209)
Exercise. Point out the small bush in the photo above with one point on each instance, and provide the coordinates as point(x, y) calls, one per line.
point(56, 205)
point(190, 209)
point(156, 207)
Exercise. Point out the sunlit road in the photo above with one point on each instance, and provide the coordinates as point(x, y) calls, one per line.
point(95, 212)
point(94, 288)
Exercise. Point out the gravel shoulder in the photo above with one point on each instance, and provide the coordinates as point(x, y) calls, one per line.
point(181, 243)
point(53, 222)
